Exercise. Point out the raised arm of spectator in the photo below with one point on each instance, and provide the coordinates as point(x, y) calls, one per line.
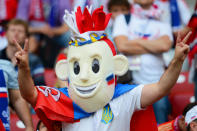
point(160, 45)
point(26, 85)
point(21, 108)
point(153, 92)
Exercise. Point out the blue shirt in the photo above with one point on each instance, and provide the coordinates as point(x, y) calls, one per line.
point(9, 73)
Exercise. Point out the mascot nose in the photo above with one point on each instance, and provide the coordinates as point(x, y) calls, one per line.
point(84, 74)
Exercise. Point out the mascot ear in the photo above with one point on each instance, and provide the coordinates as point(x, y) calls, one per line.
point(61, 69)
point(120, 65)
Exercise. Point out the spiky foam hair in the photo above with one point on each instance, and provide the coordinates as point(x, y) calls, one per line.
point(88, 27)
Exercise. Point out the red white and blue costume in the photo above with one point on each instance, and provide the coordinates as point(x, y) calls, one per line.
point(55, 106)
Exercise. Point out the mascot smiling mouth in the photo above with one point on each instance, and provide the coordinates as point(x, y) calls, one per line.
point(86, 91)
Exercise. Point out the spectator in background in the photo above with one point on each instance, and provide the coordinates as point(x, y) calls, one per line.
point(94, 3)
point(178, 124)
point(18, 30)
point(9, 84)
point(46, 24)
point(191, 119)
point(42, 127)
point(143, 38)
point(174, 12)
point(116, 7)
point(177, 14)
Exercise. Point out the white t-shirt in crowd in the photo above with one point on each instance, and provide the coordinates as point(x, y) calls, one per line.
point(122, 108)
point(147, 68)
point(184, 12)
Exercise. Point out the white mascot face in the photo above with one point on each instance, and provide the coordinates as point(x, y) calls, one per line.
point(91, 71)
point(89, 68)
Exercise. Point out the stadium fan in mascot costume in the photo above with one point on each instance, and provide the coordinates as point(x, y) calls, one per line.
point(93, 101)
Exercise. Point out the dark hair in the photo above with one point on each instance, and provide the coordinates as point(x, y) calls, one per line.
point(118, 3)
point(188, 127)
point(188, 107)
point(19, 22)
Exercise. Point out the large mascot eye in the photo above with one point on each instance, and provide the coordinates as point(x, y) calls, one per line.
point(95, 66)
point(76, 68)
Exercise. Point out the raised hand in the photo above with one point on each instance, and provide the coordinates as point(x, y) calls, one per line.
point(22, 57)
point(181, 49)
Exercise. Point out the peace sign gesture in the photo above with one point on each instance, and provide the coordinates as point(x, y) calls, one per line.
point(181, 49)
point(22, 57)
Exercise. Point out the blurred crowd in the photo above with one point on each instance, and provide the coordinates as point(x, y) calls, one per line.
point(143, 30)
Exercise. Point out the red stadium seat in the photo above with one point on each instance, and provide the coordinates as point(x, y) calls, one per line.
point(144, 120)
point(16, 124)
point(178, 102)
point(182, 85)
point(181, 94)
point(50, 77)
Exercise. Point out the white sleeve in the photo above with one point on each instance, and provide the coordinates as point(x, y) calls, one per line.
point(166, 30)
point(131, 100)
point(135, 95)
point(128, 102)
point(120, 27)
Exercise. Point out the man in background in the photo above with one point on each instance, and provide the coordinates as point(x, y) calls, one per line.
point(143, 38)
point(18, 30)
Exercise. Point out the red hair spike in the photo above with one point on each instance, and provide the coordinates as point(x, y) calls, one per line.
point(96, 22)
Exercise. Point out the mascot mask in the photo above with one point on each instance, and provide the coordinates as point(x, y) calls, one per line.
point(92, 64)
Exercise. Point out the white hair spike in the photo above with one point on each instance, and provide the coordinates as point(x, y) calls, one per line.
point(70, 20)
point(89, 8)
